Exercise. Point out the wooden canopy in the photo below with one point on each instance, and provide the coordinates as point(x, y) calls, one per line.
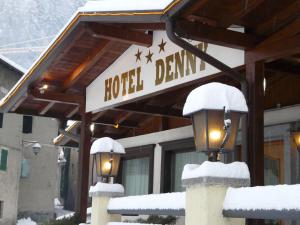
point(93, 41)
point(55, 85)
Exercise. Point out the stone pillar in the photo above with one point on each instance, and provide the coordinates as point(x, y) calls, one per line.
point(204, 200)
point(101, 193)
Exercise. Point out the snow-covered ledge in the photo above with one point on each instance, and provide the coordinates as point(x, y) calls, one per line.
point(235, 174)
point(206, 187)
point(108, 190)
point(263, 202)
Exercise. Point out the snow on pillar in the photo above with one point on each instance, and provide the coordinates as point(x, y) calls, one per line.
point(101, 193)
point(206, 187)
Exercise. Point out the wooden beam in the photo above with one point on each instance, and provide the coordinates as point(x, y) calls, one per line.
point(98, 115)
point(123, 35)
point(276, 50)
point(56, 97)
point(111, 123)
point(214, 35)
point(144, 26)
point(18, 103)
point(255, 77)
point(83, 167)
point(45, 109)
point(245, 8)
point(255, 126)
point(194, 7)
point(274, 23)
point(72, 112)
point(87, 64)
point(284, 68)
point(286, 32)
point(150, 110)
point(122, 117)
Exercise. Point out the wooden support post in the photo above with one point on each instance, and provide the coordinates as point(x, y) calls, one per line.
point(83, 166)
point(255, 77)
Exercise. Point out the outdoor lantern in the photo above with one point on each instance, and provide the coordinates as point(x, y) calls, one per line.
point(36, 148)
point(107, 153)
point(215, 109)
point(296, 136)
point(295, 130)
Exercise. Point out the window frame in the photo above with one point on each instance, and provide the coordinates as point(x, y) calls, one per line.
point(1, 120)
point(2, 167)
point(169, 150)
point(27, 130)
point(136, 153)
point(1, 209)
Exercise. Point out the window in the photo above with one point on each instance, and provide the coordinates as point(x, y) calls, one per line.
point(1, 209)
point(25, 168)
point(175, 154)
point(3, 159)
point(136, 170)
point(1, 120)
point(27, 124)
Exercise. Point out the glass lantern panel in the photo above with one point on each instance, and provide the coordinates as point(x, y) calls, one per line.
point(235, 119)
point(199, 126)
point(296, 136)
point(115, 164)
point(103, 164)
point(215, 123)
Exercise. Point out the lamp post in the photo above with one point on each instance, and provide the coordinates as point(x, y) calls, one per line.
point(215, 109)
point(107, 153)
point(36, 147)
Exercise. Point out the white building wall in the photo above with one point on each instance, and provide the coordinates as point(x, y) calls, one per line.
point(32, 196)
point(37, 192)
point(9, 180)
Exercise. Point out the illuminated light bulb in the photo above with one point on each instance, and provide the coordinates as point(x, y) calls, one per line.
point(299, 140)
point(215, 135)
point(92, 127)
point(107, 165)
point(116, 125)
point(45, 86)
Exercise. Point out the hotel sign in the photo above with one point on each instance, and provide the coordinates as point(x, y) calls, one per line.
point(142, 71)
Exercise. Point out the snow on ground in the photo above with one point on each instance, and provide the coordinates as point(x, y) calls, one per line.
point(106, 144)
point(121, 5)
point(174, 201)
point(237, 170)
point(26, 221)
point(105, 187)
point(278, 197)
point(63, 214)
point(215, 96)
point(123, 223)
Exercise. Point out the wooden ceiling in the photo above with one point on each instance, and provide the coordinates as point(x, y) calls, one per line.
point(92, 46)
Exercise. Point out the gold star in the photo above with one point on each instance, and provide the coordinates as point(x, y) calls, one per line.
point(138, 55)
point(149, 56)
point(162, 45)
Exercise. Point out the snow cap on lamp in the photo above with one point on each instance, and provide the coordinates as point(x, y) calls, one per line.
point(215, 96)
point(107, 153)
point(107, 144)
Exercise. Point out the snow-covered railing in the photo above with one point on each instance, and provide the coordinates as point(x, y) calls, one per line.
point(266, 202)
point(154, 204)
point(216, 193)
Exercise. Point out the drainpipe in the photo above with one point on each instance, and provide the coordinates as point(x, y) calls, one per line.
point(170, 24)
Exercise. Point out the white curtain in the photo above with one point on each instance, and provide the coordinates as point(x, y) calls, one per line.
point(136, 176)
point(180, 160)
point(271, 171)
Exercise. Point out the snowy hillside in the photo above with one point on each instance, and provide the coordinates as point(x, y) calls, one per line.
point(24, 20)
